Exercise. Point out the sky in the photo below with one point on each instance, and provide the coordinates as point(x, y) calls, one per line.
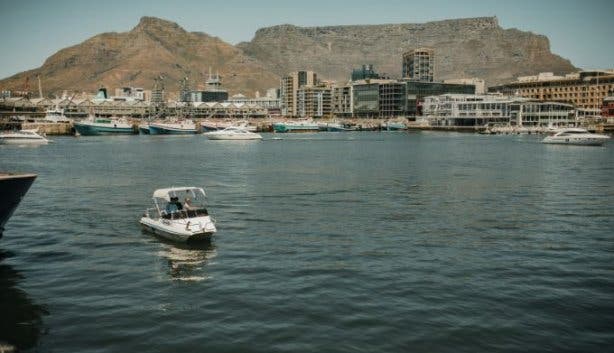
point(581, 31)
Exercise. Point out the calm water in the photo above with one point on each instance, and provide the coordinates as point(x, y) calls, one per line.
point(357, 242)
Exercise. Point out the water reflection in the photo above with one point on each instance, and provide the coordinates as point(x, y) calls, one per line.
point(21, 321)
point(187, 262)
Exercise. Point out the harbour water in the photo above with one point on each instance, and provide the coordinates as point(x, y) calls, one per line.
point(352, 242)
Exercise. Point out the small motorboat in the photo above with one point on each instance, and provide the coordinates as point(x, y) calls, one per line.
point(576, 136)
point(179, 214)
point(232, 133)
point(22, 137)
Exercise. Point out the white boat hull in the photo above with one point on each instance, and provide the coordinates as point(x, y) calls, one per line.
point(13, 141)
point(198, 229)
point(587, 141)
point(213, 136)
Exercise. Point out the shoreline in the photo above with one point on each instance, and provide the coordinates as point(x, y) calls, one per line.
point(266, 125)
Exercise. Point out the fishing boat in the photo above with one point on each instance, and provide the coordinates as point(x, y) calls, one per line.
point(232, 133)
point(22, 137)
point(297, 126)
point(576, 136)
point(13, 188)
point(393, 126)
point(334, 127)
point(55, 115)
point(176, 127)
point(179, 214)
point(103, 126)
point(144, 129)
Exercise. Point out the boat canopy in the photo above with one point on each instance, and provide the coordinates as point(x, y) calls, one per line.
point(167, 193)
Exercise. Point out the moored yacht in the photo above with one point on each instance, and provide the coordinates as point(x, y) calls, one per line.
point(179, 214)
point(13, 187)
point(576, 136)
point(22, 137)
point(232, 133)
point(103, 126)
point(179, 127)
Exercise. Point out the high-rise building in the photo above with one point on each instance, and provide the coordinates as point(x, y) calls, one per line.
point(342, 100)
point(418, 64)
point(290, 85)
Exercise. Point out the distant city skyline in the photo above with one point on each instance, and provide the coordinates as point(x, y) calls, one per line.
point(33, 31)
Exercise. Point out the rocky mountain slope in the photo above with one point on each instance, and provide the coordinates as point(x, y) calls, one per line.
point(474, 47)
point(154, 47)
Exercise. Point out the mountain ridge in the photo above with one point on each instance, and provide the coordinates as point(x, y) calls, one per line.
point(469, 47)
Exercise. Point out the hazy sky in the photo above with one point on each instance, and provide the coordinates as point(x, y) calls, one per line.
point(581, 31)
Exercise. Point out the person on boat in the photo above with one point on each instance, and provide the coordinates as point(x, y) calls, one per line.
point(174, 205)
point(188, 206)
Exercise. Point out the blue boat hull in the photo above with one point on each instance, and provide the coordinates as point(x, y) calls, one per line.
point(89, 130)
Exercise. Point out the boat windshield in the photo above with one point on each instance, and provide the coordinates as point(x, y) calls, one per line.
point(182, 203)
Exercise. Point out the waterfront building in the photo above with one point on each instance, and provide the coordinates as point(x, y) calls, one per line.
point(394, 98)
point(266, 102)
point(585, 89)
point(480, 85)
point(418, 64)
point(416, 92)
point(213, 91)
point(365, 99)
point(132, 93)
point(289, 90)
point(314, 101)
point(379, 98)
point(607, 109)
point(460, 110)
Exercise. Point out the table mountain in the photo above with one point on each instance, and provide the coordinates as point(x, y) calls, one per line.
point(154, 47)
point(476, 47)
point(473, 47)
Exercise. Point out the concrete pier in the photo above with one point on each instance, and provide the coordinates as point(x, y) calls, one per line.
point(50, 128)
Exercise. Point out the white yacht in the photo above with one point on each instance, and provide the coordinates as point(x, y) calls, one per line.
point(576, 136)
point(22, 137)
point(232, 133)
point(56, 116)
point(179, 214)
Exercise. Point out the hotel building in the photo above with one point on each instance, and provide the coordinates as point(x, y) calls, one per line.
point(586, 89)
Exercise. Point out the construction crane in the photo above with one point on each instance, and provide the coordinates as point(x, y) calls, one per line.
point(40, 87)
point(26, 87)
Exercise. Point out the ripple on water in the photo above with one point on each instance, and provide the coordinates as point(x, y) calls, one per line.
point(354, 242)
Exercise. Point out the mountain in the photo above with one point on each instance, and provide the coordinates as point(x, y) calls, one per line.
point(154, 47)
point(473, 47)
